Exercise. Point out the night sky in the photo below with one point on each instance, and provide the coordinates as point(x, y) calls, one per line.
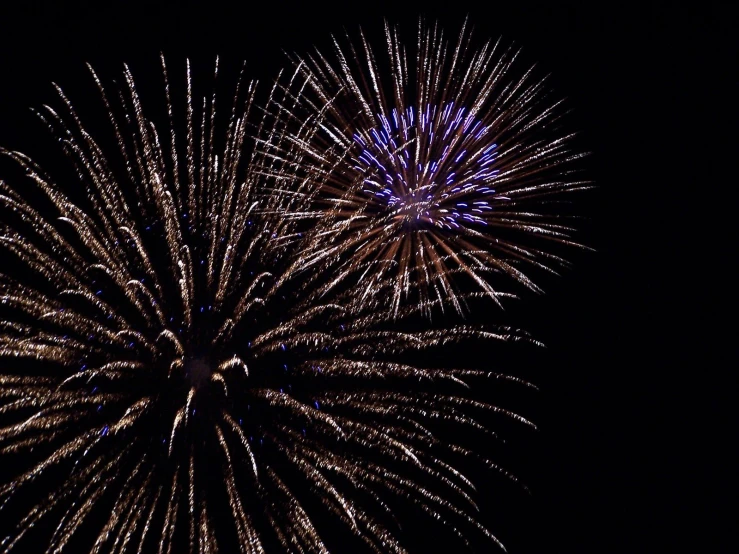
point(634, 398)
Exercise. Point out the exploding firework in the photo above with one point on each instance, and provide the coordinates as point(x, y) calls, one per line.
point(172, 378)
point(434, 172)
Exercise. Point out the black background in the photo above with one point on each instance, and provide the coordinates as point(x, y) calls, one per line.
point(635, 396)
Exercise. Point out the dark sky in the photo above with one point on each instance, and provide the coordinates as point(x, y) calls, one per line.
point(634, 397)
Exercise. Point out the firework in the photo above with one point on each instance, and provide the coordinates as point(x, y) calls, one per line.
point(435, 172)
point(172, 378)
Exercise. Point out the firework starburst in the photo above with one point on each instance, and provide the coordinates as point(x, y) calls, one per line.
point(172, 377)
point(436, 170)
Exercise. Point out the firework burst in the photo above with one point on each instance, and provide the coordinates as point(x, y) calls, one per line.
point(172, 378)
point(437, 170)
